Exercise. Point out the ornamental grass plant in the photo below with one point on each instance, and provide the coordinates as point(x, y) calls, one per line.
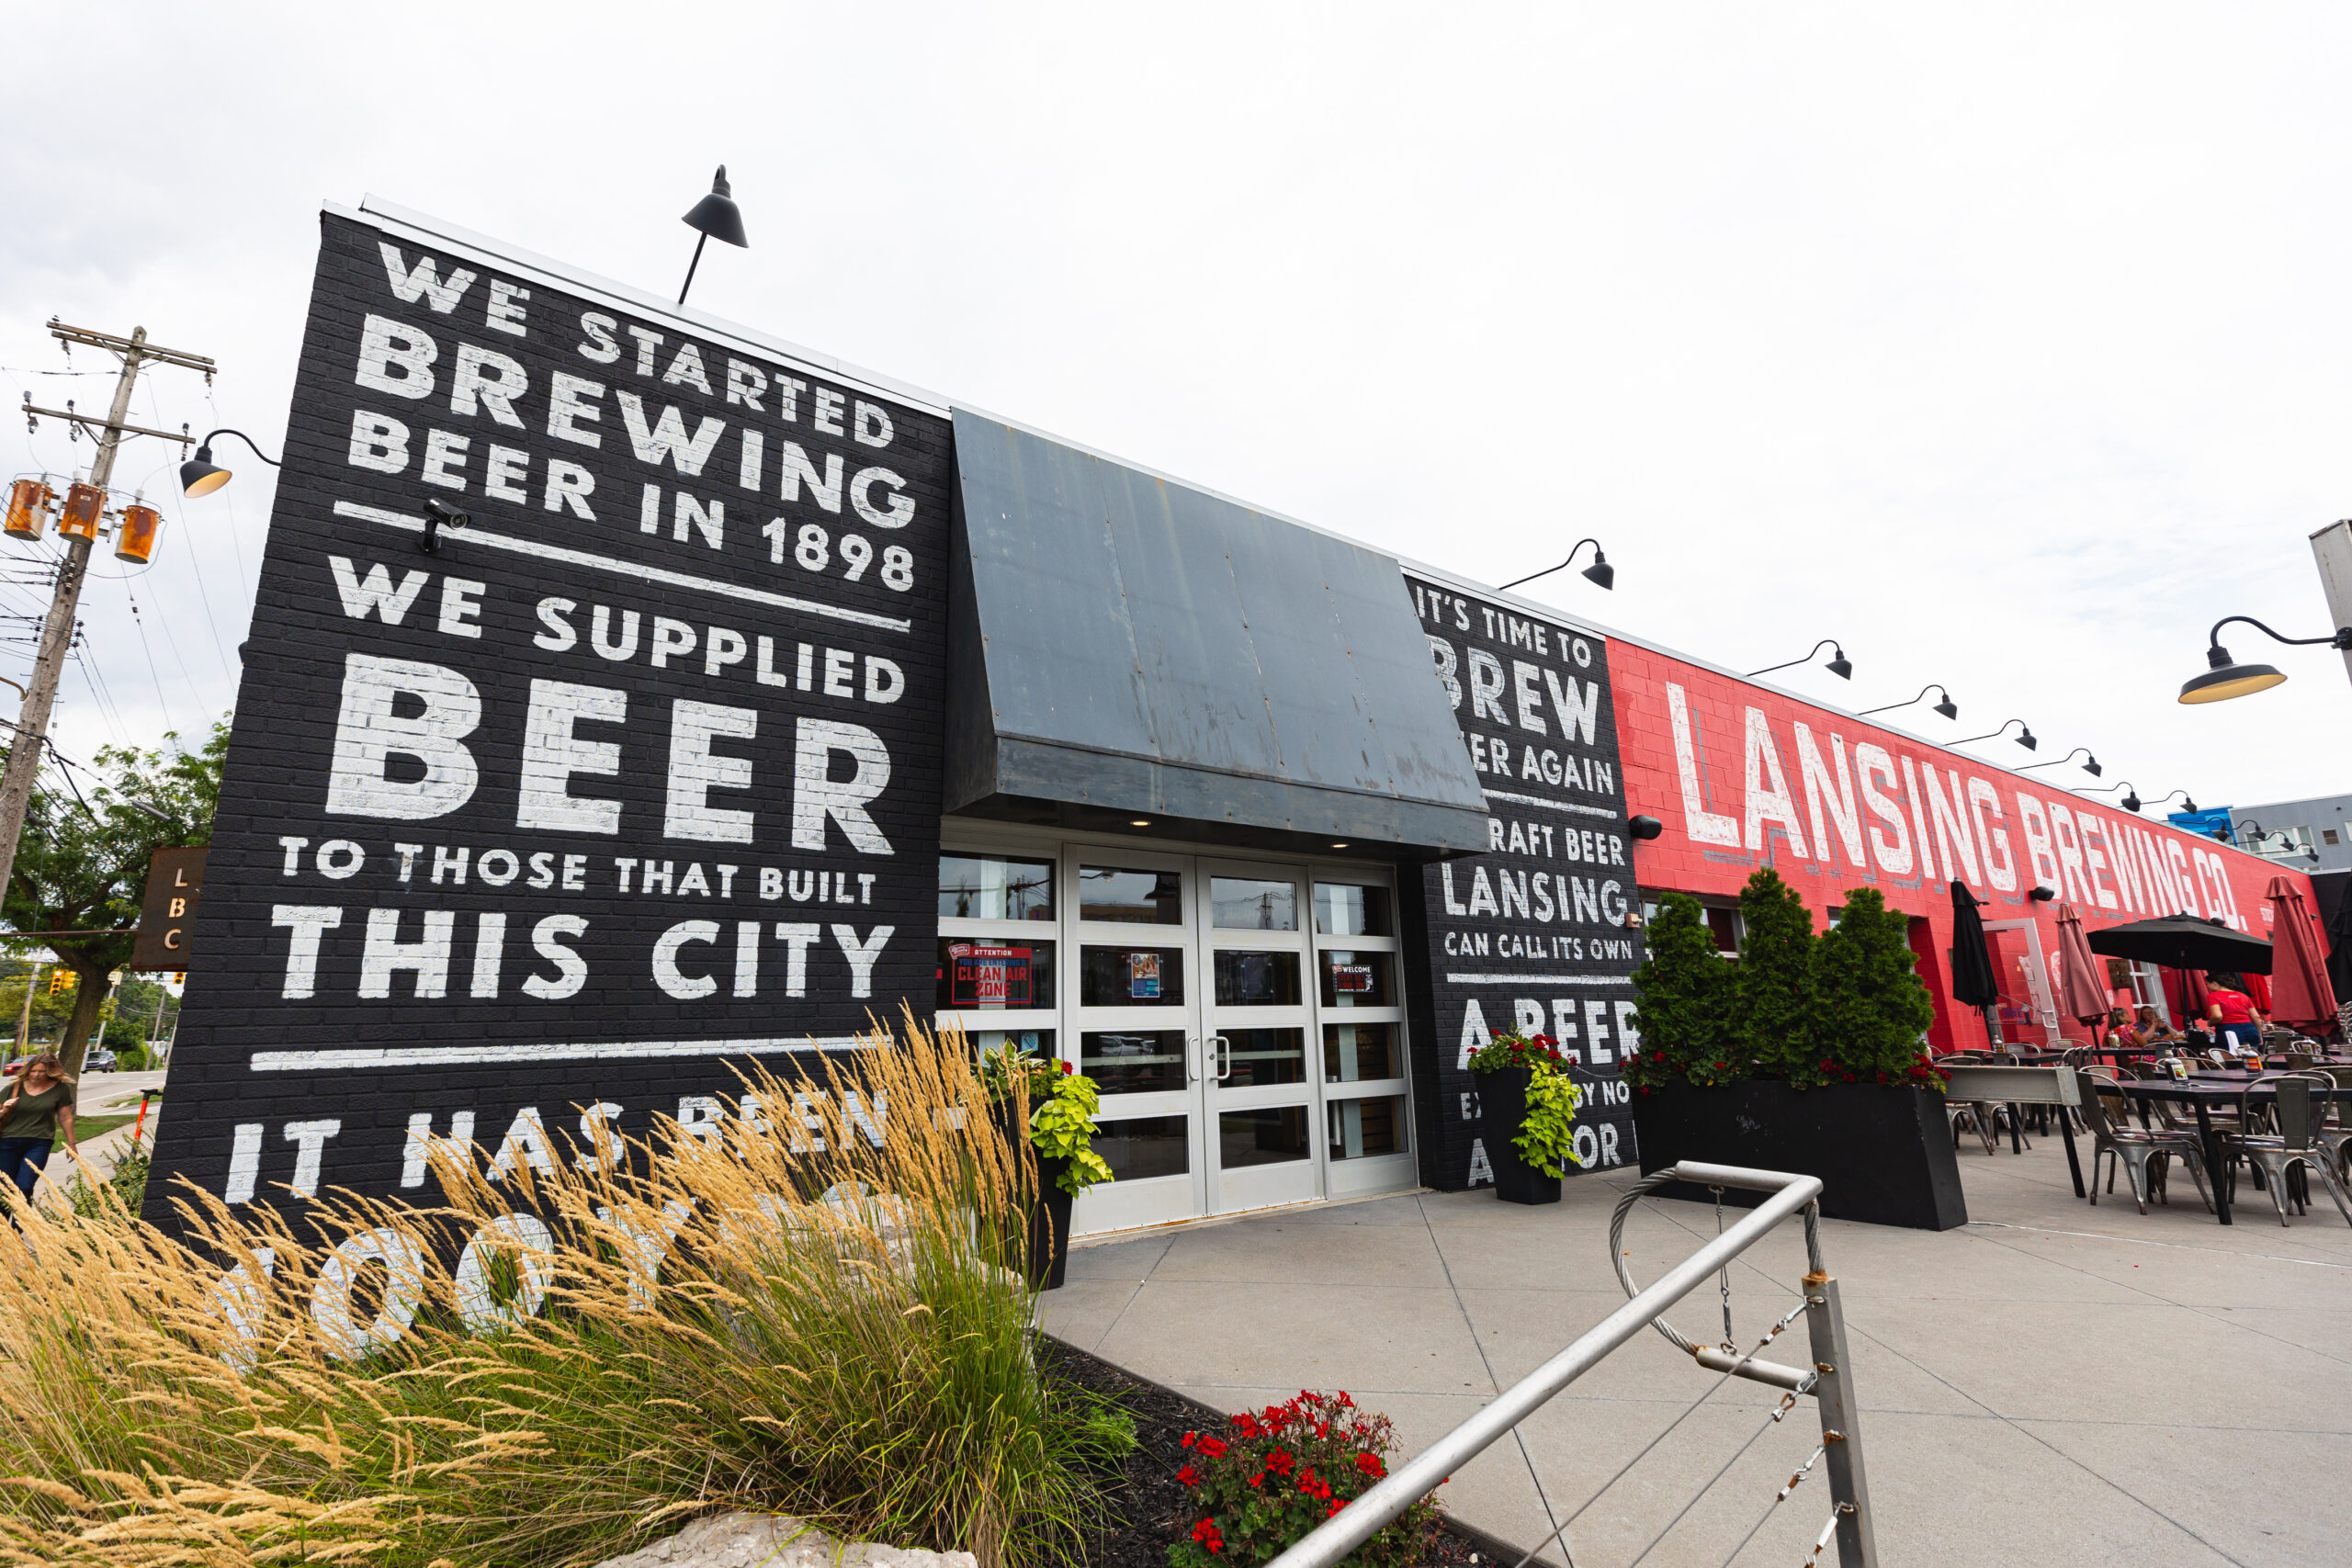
point(807, 1310)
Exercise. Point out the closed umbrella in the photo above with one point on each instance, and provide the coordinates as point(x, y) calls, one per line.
point(2300, 988)
point(2082, 988)
point(1973, 982)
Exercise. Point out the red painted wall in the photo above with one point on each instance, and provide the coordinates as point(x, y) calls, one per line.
point(1742, 776)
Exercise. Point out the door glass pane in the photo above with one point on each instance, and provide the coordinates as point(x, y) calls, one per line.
point(1143, 1147)
point(1131, 977)
point(1342, 908)
point(1354, 1053)
point(977, 974)
point(1262, 1056)
point(1130, 897)
point(1356, 979)
point(992, 887)
point(1256, 979)
point(1361, 1128)
point(1138, 1060)
point(1271, 1135)
point(1244, 903)
point(1023, 1042)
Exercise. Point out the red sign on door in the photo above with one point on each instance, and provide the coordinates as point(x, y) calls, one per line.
point(988, 976)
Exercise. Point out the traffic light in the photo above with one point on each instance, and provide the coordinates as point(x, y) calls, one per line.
point(61, 980)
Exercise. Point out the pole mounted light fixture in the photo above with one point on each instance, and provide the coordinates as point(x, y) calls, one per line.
point(2225, 678)
point(2186, 803)
point(715, 217)
point(2090, 764)
point(1599, 572)
point(1841, 666)
point(1947, 707)
point(199, 476)
point(2130, 801)
point(2025, 735)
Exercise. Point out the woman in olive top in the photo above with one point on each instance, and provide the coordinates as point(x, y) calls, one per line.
point(37, 1110)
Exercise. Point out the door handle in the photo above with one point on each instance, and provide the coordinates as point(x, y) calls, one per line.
point(1225, 1057)
point(1191, 1060)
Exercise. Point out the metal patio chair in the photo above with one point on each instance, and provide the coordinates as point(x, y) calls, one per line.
point(2295, 1144)
point(2133, 1149)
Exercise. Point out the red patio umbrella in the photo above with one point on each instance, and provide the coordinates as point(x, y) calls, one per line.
point(2298, 986)
point(2082, 982)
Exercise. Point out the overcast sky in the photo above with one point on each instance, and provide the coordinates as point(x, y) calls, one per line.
point(2008, 346)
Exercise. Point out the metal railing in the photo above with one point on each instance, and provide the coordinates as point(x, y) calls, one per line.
point(1828, 1380)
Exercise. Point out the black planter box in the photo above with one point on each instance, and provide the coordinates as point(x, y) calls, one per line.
point(1503, 1106)
point(1046, 1205)
point(1885, 1155)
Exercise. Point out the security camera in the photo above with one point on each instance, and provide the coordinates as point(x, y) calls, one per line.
point(438, 515)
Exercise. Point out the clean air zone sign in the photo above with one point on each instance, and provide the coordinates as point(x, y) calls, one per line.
point(526, 839)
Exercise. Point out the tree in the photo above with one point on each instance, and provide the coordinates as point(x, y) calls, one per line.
point(1874, 1005)
point(1685, 990)
point(81, 863)
point(1775, 1019)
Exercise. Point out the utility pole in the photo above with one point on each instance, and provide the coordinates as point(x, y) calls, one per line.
point(56, 631)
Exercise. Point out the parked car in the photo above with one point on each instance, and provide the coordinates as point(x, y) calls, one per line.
point(98, 1062)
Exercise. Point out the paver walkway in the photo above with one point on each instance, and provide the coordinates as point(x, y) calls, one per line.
point(2053, 1384)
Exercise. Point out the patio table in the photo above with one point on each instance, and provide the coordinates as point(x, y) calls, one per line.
point(2201, 1092)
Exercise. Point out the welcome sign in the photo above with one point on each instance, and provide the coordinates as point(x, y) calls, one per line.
point(532, 835)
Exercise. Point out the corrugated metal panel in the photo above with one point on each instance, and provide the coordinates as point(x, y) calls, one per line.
point(1128, 644)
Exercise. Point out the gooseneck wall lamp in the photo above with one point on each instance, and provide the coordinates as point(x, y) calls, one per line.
point(1599, 572)
point(1839, 666)
point(2025, 735)
point(2090, 764)
point(199, 476)
point(2261, 833)
point(2225, 678)
point(1947, 707)
point(2187, 802)
point(2130, 801)
point(715, 217)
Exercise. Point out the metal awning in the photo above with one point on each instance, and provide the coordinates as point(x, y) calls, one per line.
point(1122, 646)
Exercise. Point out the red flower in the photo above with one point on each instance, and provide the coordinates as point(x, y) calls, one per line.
point(1206, 1534)
point(1345, 1401)
point(1246, 1425)
point(1213, 1447)
point(1189, 1476)
point(1069, 1068)
point(1188, 1440)
point(1370, 1465)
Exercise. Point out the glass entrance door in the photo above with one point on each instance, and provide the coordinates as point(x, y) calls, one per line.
point(1258, 1016)
point(1136, 1021)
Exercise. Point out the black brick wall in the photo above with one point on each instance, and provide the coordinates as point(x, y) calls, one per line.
point(282, 750)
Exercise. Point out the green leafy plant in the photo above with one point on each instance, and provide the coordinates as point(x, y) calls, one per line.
point(1873, 1007)
point(1273, 1474)
point(1845, 1007)
point(1685, 986)
point(1547, 1136)
point(1775, 1013)
point(1062, 1126)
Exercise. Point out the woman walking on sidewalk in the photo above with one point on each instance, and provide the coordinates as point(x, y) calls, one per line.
point(36, 1111)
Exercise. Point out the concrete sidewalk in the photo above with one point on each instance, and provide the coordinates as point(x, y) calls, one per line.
point(2053, 1384)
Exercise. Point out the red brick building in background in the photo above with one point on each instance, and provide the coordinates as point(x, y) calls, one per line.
point(1743, 775)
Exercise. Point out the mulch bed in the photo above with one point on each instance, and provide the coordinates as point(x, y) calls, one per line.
point(1152, 1509)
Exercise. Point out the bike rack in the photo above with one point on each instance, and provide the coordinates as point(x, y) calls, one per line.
point(1828, 1380)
